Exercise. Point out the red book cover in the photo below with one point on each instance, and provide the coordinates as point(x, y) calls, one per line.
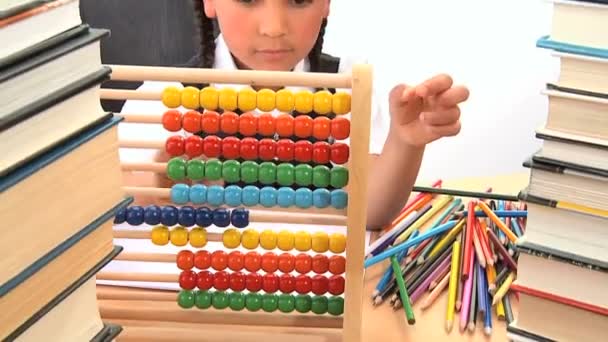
point(559, 299)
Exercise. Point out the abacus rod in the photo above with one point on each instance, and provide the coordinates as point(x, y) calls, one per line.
point(146, 234)
point(245, 77)
point(126, 94)
point(147, 257)
point(144, 277)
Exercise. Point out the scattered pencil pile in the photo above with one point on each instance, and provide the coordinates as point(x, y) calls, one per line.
point(440, 242)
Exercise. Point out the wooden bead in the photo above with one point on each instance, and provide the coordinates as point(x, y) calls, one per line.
point(268, 239)
point(204, 280)
point(210, 122)
point(321, 128)
point(303, 263)
point(190, 98)
point(304, 101)
point(284, 100)
point(253, 261)
point(219, 260)
point(337, 264)
point(340, 128)
point(270, 262)
point(228, 99)
point(229, 123)
point(302, 241)
point(185, 260)
point(320, 242)
point(198, 237)
point(247, 99)
point(187, 279)
point(286, 262)
point(236, 261)
point(322, 103)
point(231, 238)
point(191, 121)
point(341, 103)
point(337, 243)
point(202, 260)
point(209, 98)
point(266, 124)
point(285, 240)
point(284, 125)
point(172, 120)
point(266, 100)
point(250, 239)
point(179, 236)
point(248, 124)
point(171, 97)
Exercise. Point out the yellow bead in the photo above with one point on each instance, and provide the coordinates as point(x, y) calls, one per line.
point(179, 236)
point(228, 99)
point(303, 101)
point(266, 100)
point(341, 103)
point(209, 98)
point(337, 243)
point(247, 99)
point(191, 98)
point(302, 241)
point(285, 240)
point(231, 238)
point(284, 100)
point(268, 239)
point(320, 242)
point(160, 235)
point(322, 102)
point(250, 239)
point(198, 237)
point(171, 97)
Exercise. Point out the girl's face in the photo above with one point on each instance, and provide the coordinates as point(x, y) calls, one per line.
point(268, 34)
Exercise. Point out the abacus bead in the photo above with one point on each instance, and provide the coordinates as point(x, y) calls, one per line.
point(320, 242)
point(239, 217)
point(303, 126)
point(197, 237)
point(121, 216)
point(303, 303)
point(303, 284)
point(268, 196)
point(321, 198)
point(285, 174)
point(210, 122)
point(194, 146)
point(304, 198)
point(202, 299)
point(253, 301)
point(252, 262)
point(320, 176)
point(185, 299)
point(231, 171)
point(284, 125)
point(340, 128)
point(267, 173)
point(172, 120)
point(270, 302)
point(302, 241)
point(221, 217)
point(179, 236)
point(220, 300)
point(236, 261)
point(266, 100)
point(228, 99)
point(187, 279)
point(249, 171)
point(287, 283)
point(175, 145)
point(321, 152)
point(268, 239)
point(285, 149)
point(286, 197)
point(152, 215)
point(180, 193)
point(198, 194)
point(250, 239)
point(303, 263)
point(319, 305)
point(195, 170)
point(237, 281)
point(336, 285)
point(248, 124)
point(249, 149)
point(186, 216)
point(202, 260)
point(321, 128)
point(266, 124)
point(250, 195)
point(338, 177)
point(302, 151)
point(184, 260)
point(319, 284)
point(190, 98)
point(204, 280)
point(341, 103)
point(320, 263)
point(209, 98)
point(233, 195)
point(247, 99)
point(160, 235)
point(337, 243)
point(303, 101)
point(204, 216)
point(285, 240)
point(286, 262)
point(176, 169)
point(303, 174)
point(322, 102)
point(229, 123)
point(337, 264)
point(221, 280)
point(267, 149)
point(219, 260)
point(212, 146)
point(231, 148)
point(191, 121)
point(270, 262)
point(171, 97)
point(286, 303)
point(284, 100)
point(215, 195)
point(135, 215)
point(339, 199)
point(335, 306)
point(339, 153)
point(237, 301)
point(168, 215)
point(231, 238)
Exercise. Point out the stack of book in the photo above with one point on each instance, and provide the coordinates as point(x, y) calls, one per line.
point(562, 277)
point(60, 176)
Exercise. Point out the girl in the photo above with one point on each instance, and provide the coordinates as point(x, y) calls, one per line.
point(287, 35)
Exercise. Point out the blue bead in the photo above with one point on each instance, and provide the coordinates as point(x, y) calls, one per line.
point(268, 196)
point(152, 215)
point(198, 194)
point(215, 195)
point(204, 217)
point(168, 216)
point(221, 217)
point(250, 195)
point(286, 197)
point(304, 198)
point(121, 216)
point(135, 215)
point(180, 193)
point(339, 199)
point(233, 195)
point(186, 216)
point(240, 217)
point(321, 198)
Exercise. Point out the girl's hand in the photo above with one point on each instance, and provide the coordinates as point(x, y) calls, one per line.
point(427, 112)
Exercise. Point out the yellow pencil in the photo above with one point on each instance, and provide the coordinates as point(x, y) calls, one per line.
point(438, 205)
point(503, 289)
point(446, 239)
point(454, 278)
point(500, 310)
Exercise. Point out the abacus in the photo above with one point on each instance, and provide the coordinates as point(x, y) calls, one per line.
point(231, 169)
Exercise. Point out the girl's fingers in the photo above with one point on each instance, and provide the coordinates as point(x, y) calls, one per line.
point(434, 86)
point(441, 117)
point(452, 97)
point(445, 130)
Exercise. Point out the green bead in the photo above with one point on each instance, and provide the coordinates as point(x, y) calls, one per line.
point(268, 173)
point(303, 174)
point(249, 172)
point(303, 303)
point(286, 303)
point(338, 177)
point(253, 301)
point(202, 299)
point(237, 301)
point(185, 299)
point(270, 302)
point(335, 305)
point(320, 176)
point(176, 169)
point(285, 174)
point(213, 169)
point(231, 171)
point(220, 300)
point(319, 305)
point(196, 169)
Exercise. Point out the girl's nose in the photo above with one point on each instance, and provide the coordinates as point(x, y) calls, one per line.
point(273, 23)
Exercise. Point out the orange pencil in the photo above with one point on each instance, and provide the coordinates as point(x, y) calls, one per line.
point(483, 242)
point(512, 237)
point(468, 241)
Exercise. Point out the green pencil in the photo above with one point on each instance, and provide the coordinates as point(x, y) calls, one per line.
point(405, 299)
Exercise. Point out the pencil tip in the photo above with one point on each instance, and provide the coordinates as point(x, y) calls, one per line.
point(448, 326)
point(471, 327)
point(488, 331)
point(411, 321)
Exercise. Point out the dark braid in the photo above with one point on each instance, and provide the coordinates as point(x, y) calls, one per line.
point(314, 55)
point(206, 35)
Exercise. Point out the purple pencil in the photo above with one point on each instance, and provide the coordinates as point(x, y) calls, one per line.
point(419, 291)
point(466, 300)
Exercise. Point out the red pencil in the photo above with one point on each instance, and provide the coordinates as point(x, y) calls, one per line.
point(483, 242)
point(468, 240)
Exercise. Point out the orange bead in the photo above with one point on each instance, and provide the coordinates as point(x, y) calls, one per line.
point(302, 126)
point(172, 120)
point(229, 123)
point(191, 121)
point(320, 263)
point(253, 260)
point(248, 124)
point(266, 125)
point(337, 264)
point(236, 261)
point(321, 128)
point(287, 262)
point(185, 260)
point(303, 263)
point(284, 125)
point(210, 122)
point(270, 262)
point(219, 260)
point(340, 128)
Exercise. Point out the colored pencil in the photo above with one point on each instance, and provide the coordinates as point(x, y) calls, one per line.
point(488, 314)
point(407, 306)
point(500, 310)
point(474, 300)
point(423, 285)
point(460, 287)
point(454, 280)
point(436, 291)
point(466, 301)
point(499, 213)
point(448, 238)
point(481, 258)
point(491, 276)
point(485, 244)
point(482, 288)
point(468, 241)
point(510, 235)
point(502, 251)
point(463, 193)
point(506, 301)
point(437, 205)
point(504, 287)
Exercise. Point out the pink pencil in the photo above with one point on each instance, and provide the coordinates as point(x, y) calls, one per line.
point(424, 286)
point(466, 300)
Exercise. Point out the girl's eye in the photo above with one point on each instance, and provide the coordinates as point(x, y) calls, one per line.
point(300, 3)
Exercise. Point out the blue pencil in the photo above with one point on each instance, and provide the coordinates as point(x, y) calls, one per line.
point(516, 228)
point(388, 274)
point(501, 236)
point(499, 213)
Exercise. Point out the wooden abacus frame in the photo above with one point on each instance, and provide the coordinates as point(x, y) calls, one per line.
point(359, 81)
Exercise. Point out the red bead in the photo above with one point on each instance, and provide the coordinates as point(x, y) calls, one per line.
point(236, 261)
point(221, 280)
point(249, 149)
point(210, 122)
point(286, 262)
point(229, 123)
point(253, 261)
point(270, 262)
point(287, 283)
point(302, 126)
point(175, 145)
point(321, 128)
point(339, 153)
point(303, 151)
point(267, 149)
point(248, 124)
point(205, 280)
point(212, 146)
point(270, 283)
point(303, 263)
point(340, 128)
point(337, 264)
point(202, 260)
point(253, 282)
point(231, 147)
point(284, 125)
point(185, 260)
point(237, 281)
point(319, 285)
point(194, 146)
point(266, 125)
point(303, 284)
point(172, 120)
point(285, 149)
point(336, 285)
point(219, 260)
point(320, 263)
point(187, 280)
point(191, 121)
point(321, 152)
